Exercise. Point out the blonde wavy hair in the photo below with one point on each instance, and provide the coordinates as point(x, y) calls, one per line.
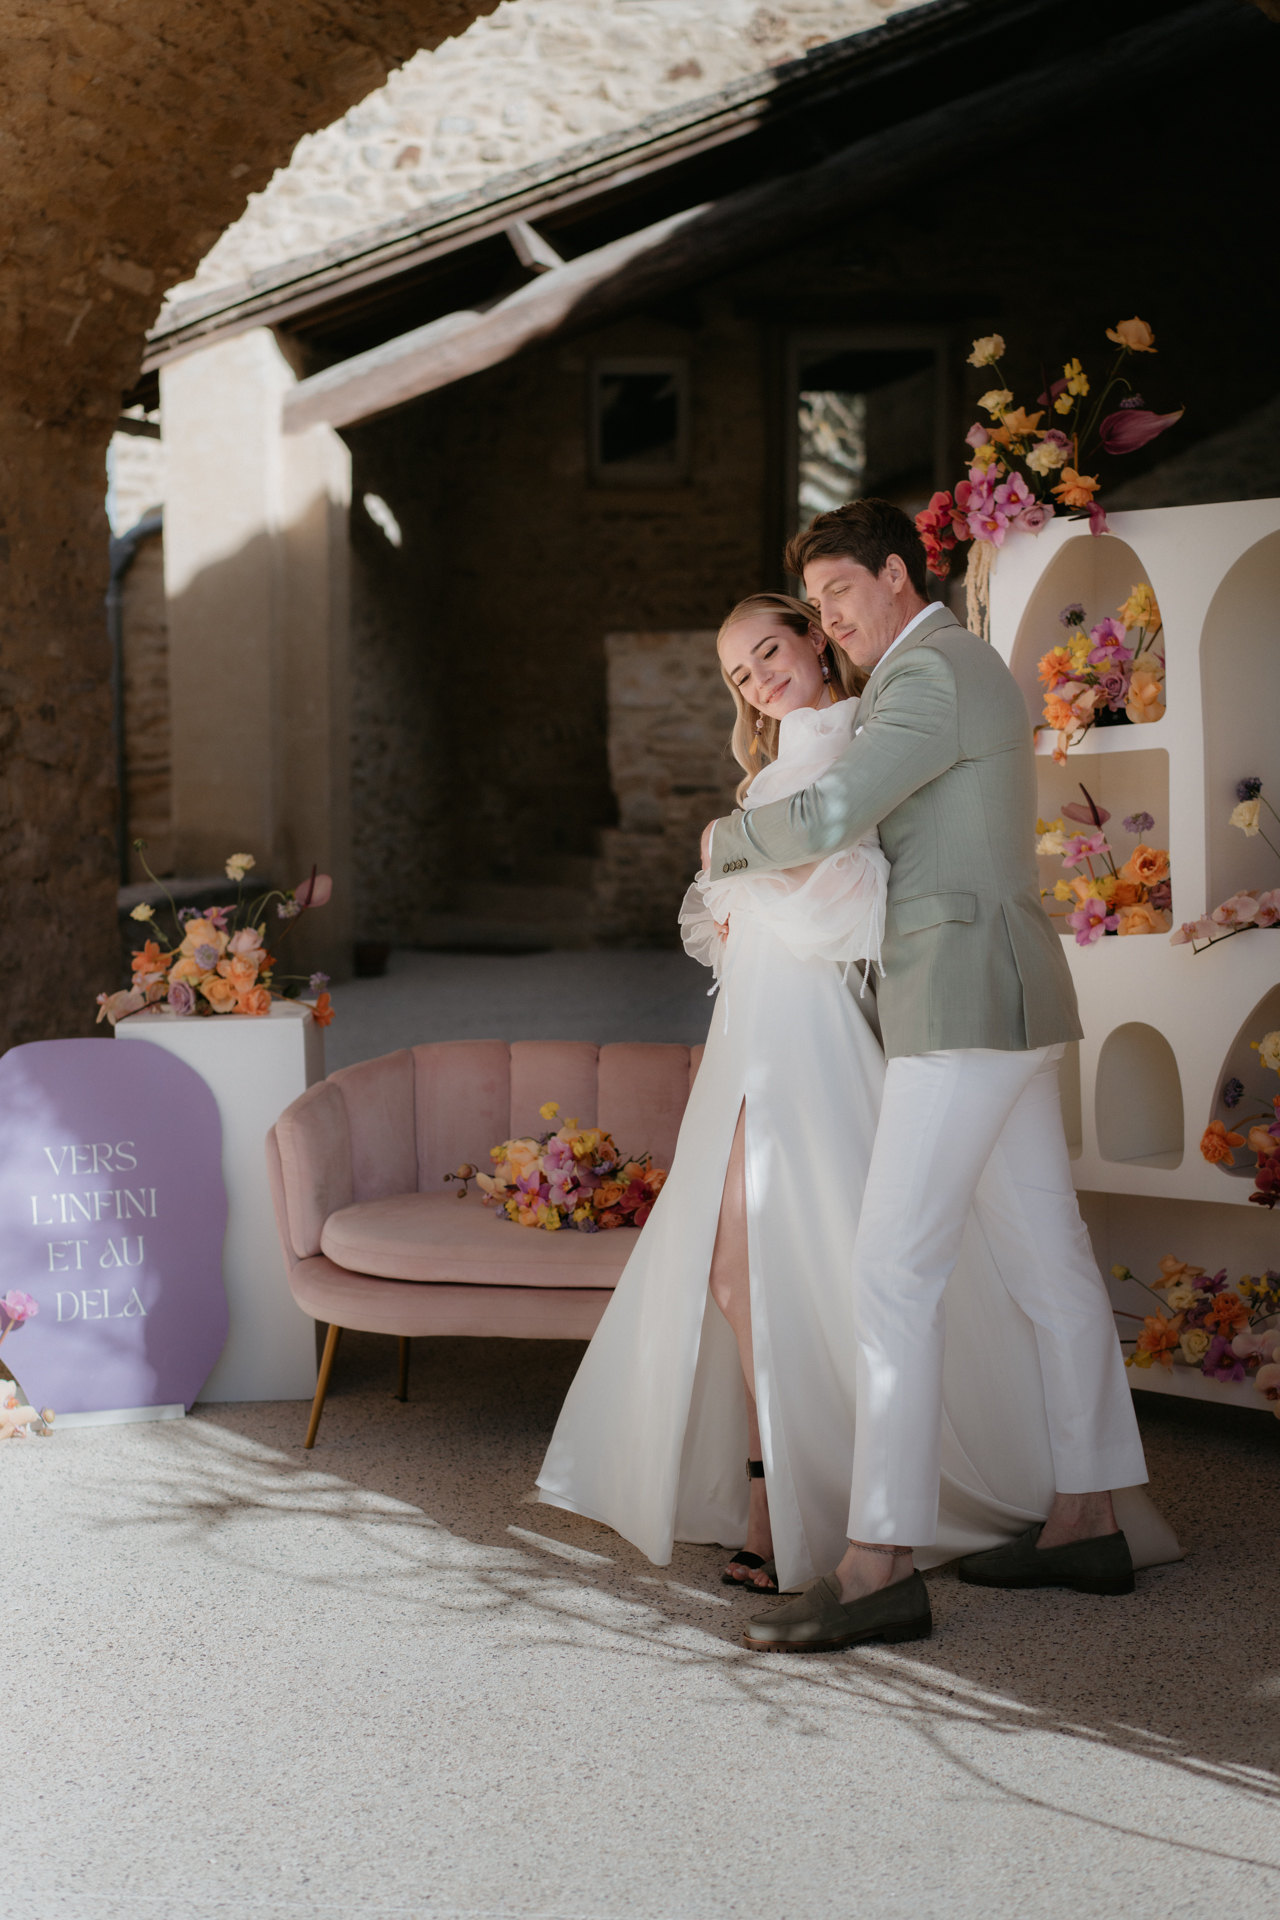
point(754, 749)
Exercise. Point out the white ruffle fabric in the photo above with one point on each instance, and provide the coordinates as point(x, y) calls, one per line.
point(831, 910)
point(652, 1436)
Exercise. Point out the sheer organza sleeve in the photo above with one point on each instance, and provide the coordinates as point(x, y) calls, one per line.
point(698, 930)
point(832, 910)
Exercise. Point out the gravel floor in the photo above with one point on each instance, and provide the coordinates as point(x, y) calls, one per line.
point(374, 1680)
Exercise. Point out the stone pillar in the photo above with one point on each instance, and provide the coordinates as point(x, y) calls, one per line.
point(256, 580)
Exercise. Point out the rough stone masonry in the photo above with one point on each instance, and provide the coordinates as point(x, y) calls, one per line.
point(131, 133)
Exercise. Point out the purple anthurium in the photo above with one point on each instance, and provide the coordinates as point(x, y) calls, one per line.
point(1132, 427)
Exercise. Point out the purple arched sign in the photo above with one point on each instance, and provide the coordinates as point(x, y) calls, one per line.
point(113, 1213)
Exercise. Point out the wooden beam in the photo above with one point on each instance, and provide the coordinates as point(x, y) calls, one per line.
point(718, 237)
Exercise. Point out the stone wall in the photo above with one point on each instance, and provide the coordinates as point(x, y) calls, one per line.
point(670, 716)
point(129, 139)
point(148, 744)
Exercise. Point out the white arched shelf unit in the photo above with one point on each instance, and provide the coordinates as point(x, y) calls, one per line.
point(1138, 1096)
point(1239, 651)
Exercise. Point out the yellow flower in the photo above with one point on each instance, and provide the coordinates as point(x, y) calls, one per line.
point(548, 1218)
point(1050, 840)
point(987, 351)
point(1064, 891)
point(550, 1109)
point(1268, 1049)
point(1140, 609)
point(1076, 377)
point(1194, 1344)
point(1048, 456)
point(239, 864)
point(986, 455)
point(1134, 334)
point(1063, 403)
point(143, 912)
point(1245, 816)
point(996, 400)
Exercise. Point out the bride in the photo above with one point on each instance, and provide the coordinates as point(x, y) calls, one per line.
point(730, 1334)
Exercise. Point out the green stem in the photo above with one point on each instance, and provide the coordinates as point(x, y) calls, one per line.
point(140, 848)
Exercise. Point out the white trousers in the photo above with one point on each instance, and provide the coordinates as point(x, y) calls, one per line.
point(976, 1128)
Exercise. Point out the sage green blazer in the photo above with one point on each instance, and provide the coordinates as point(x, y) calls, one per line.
point(943, 764)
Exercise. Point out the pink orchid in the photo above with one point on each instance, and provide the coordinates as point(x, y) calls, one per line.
point(1249, 1346)
point(1239, 911)
point(989, 524)
point(1013, 496)
point(1091, 920)
point(1110, 642)
point(1268, 913)
point(18, 1307)
point(1134, 427)
point(977, 436)
point(1083, 846)
point(1192, 930)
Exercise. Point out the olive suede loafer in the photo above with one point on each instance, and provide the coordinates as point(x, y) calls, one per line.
point(1100, 1565)
point(819, 1621)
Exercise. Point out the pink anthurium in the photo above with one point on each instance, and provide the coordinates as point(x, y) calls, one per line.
point(314, 891)
point(1133, 427)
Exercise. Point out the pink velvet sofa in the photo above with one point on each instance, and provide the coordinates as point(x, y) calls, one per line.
point(374, 1240)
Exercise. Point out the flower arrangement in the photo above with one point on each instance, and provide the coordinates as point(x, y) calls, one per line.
point(1021, 475)
point(16, 1419)
point(1110, 676)
point(1254, 906)
point(1129, 899)
point(1219, 1142)
point(216, 959)
point(1225, 1333)
point(572, 1177)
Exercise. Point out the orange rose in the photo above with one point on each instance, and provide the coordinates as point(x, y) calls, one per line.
point(1216, 1144)
point(1075, 489)
point(1055, 666)
point(1159, 1337)
point(241, 970)
point(220, 993)
point(203, 933)
point(1144, 919)
point(1134, 334)
point(1146, 697)
point(1146, 866)
point(257, 1000)
point(1228, 1311)
point(186, 969)
point(1126, 894)
point(1060, 715)
point(609, 1192)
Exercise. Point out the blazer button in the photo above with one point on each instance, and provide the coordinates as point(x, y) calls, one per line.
point(725, 867)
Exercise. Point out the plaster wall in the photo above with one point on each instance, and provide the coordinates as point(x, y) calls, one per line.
point(256, 583)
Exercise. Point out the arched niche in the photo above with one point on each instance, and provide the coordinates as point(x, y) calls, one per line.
point(1242, 1063)
point(1123, 784)
point(1138, 1098)
point(1098, 571)
point(1238, 650)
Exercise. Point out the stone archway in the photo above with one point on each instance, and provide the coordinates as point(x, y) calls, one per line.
point(131, 136)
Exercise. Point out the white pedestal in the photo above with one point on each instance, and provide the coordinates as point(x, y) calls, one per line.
point(254, 1066)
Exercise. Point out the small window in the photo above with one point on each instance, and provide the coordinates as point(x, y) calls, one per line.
point(868, 411)
point(639, 422)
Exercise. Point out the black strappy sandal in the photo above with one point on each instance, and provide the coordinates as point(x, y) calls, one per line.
point(753, 1562)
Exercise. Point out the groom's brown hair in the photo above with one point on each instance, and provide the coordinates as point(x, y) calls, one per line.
point(868, 531)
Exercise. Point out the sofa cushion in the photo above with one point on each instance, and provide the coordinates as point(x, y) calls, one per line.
point(429, 1236)
point(462, 1101)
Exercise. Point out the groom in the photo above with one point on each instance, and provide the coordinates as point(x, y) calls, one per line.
point(975, 1005)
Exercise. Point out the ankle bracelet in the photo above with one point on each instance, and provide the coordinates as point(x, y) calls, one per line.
point(870, 1546)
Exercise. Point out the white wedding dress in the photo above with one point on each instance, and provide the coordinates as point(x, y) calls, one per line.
point(652, 1438)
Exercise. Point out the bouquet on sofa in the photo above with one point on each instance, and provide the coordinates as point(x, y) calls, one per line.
point(570, 1177)
point(1224, 1332)
point(215, 959)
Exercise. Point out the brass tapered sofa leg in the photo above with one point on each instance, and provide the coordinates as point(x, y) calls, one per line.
point(322, 1384)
